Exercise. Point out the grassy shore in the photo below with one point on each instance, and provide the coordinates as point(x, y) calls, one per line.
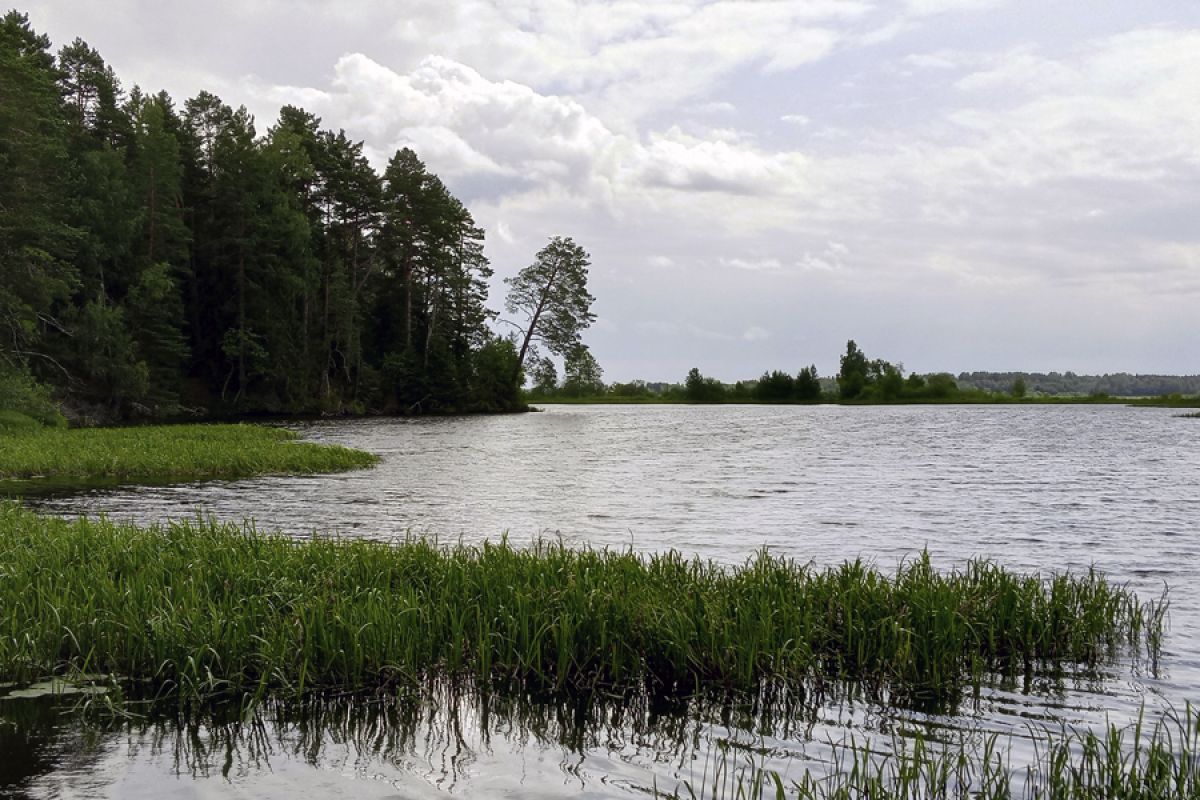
point(167, 452)
point(200, 608)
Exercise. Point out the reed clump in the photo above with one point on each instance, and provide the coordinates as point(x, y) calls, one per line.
point(167, 452)
point(201, 607)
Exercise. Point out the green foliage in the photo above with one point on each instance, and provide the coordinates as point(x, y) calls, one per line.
point(22, 397)
point(853, 376)
point(862, 380)
point(886, 381)
point(808, 385)
point(940, 386)
point(198, 607)
point(775, 387)
point(36, 239)
point(544, 376)
point(583, 375)
point(699, 389)
point(494, 386)
point(175, 452)
point(1018, 388)
point(633, 389)
point(1118, 384)
point(104, 356)
point(552, 295)
point(1139, 761)
point(16, 422)
point(154, 311)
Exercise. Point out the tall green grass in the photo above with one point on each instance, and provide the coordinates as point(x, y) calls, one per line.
point(201, 607)
point(167, 452)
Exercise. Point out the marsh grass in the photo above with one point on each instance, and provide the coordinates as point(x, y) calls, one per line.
point(161, 452)
point(201, 608)
point(1139, 761)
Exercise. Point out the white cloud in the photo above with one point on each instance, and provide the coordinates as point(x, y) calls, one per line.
point(501, 230)
point(1126, 108)
point(1178, 268)
point(626, 58)
point(464, 124)
point(940, 60)
point(830, 259)
point(922, 8)
point(756, 334)
point(679, 161)
point(752, 264)
point(716, 107)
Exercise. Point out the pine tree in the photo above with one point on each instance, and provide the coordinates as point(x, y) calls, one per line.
point(36, 239)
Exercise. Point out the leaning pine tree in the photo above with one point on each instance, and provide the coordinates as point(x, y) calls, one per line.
point(552, 295)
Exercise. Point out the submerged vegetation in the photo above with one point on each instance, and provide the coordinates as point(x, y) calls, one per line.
point(167, 452)
point(704, 748)
point(1140, 761)
point(200, 607)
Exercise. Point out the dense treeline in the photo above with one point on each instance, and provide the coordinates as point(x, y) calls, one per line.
point(859, 380)
point(155, 258)
point(863, 380)
point(1120, 384)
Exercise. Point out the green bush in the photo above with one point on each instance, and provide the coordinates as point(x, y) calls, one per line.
point(15, 421)
point(24, 397)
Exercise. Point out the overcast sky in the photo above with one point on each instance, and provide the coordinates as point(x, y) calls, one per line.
point(955, 184)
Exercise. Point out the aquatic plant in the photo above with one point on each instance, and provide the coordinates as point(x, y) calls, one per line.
point(175, 452)
point(1119, 762)
point(199, 607)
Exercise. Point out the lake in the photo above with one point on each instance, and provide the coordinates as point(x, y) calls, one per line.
point(1037, 488)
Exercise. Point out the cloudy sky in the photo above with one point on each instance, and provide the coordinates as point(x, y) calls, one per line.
point(956, 184)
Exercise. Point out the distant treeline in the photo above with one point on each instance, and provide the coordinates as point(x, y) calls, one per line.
point(862, 380)
point(157, 259)
point(859, 380)
point(1121, 384)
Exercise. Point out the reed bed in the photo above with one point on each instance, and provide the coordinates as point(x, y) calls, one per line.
point(1120, 762)
point(168, 452)
point(200, 608)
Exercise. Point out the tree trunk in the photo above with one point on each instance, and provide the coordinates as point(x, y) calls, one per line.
point(408, 293)
point(536, 316)
point(152, 203)
point(241, 322)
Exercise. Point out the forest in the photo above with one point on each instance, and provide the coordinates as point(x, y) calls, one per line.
point(164, 261)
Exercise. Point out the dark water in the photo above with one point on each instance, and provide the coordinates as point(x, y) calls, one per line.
point(1037, 488)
